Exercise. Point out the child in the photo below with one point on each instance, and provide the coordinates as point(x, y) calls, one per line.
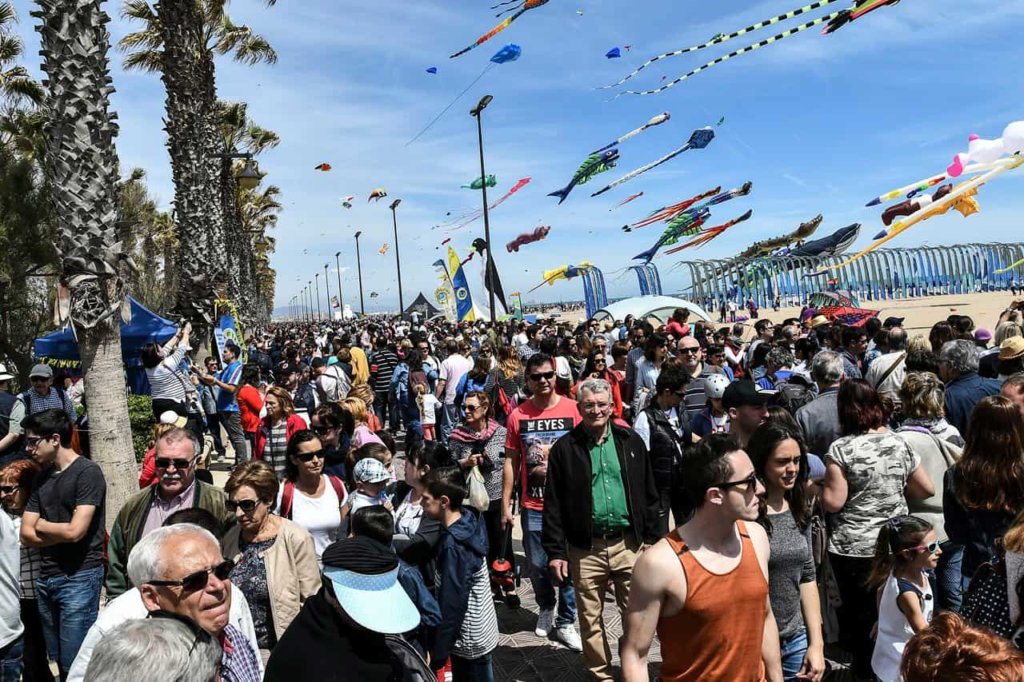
point(371, 478)
point(469, 627)
point(428, 405)
point(907, 547)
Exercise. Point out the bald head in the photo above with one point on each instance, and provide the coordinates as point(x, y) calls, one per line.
point(897, 340)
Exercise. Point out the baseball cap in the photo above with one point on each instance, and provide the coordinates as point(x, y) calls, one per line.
point(1011, 348)
point(364, 576)
point(4, 374)
point(370, 470)
point(982, 334)
point(893, 322)
point(42, 371)
point(741, 393)
point(172, 417)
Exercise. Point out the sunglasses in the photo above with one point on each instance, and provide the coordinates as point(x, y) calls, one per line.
point(33, 441)
point(537, 376)
point(321, 430)
point(690, 351)
point(180, 464)
point(599, 361)
point(193, 582)
point(39, 380)
point(472, 408)
point(8, 489)
point(748, 483)
point(246, 506)
point(930, 548)
point(304, 457)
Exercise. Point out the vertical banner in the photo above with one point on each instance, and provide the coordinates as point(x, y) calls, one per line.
point(228, 328)
point(463, 299)
point(517, 305)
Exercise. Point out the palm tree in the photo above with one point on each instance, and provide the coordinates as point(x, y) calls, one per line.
point(15, 83)
point(179, 39)
point(81, 165)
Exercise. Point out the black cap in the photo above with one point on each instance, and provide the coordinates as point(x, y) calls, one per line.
point(893, 322)
point(360, 554)
point(741, 393)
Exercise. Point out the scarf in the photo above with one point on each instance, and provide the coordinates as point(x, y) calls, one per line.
point(464, 434)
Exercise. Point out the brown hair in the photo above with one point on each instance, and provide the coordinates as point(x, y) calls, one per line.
point(922, 396)
point(357, 408)
point(363, 392)
point(951, 649)
point(860, 409)
point(257, 475)
point(990, 474)
point(484, 399)
point(509, 362)
point(283, 397)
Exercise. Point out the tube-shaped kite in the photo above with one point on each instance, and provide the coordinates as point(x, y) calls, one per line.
point(654, 121)
point(667, 213)
point(519, 9)
point(709, 233)
point(631, 197)
point(528, 238)
point(699, 139)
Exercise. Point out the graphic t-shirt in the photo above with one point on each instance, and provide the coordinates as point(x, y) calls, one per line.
point(532, 432)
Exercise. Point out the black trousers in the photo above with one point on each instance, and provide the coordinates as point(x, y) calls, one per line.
point(673, 500)
point(859, 610)
point(37, 666)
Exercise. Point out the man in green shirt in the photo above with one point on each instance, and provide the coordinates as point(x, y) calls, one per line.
point(600, 511)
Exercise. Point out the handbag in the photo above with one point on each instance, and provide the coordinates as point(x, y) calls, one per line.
point(987, 602)
point(478, 496)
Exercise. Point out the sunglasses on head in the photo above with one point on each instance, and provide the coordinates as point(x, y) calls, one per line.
point(246, 506)
point(165, 462)
point(193, 582)
point(537, 376)
point(308, 456)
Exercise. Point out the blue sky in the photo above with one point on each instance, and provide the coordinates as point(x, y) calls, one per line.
point(818, 124)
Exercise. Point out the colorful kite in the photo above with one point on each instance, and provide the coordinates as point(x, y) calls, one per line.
point(613, 53)
point(709, 233)
point(699, 139)
point(562, 272)
point(479, 183)
point(377, 194)
point(383, 249)
point(596, 163)
point(687, 223)
point(347, 201)
point(322, 167)
point(667, 213)
point(766, 247)
point(655, 121)
point(509, 53)
point(631, 197)
point(981, 151)
point(911, 206)
point(528, 238)
point(519, 7)
point(473, 216)
point(834, 21)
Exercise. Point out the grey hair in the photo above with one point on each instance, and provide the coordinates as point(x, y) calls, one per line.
point(154, 648)
point(1006, 330)
point(827, 367)
point(779, 356)
point(177, 434)
point(961, 354)
point(594, 386)
point(145, 562)
point(790, 332)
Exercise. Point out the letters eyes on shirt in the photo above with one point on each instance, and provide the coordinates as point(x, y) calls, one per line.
point(556, 424)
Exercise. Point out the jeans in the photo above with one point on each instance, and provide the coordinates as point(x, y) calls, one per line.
point(450, 421)
point(543, 588)
point(10, 660)
point(794, 648)
point(948, 591)
point(68, 606)
point(472, 669)
point(232, 422)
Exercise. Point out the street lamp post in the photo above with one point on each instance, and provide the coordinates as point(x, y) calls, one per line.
point(305, 304)
point(398, 260)
point(489, 268)
point(341, 297)
point(359, 270)
point(309, 286)
point(319, 315)
point(302, 302)
point(327, 283)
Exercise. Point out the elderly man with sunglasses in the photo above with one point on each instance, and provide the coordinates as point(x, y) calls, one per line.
point(179, 569)
point(144, 512)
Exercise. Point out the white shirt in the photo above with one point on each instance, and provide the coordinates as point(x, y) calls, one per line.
point(520, 339)
point(129, 606)
point(319, 515)
point(452, 370)
point(428, 409)
point(10, 587)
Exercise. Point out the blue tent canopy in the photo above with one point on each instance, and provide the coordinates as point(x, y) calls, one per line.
point(60, 349)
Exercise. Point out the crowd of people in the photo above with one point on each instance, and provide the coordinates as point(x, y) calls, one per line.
point(748, 494)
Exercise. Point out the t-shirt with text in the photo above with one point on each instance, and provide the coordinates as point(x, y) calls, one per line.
point(531, 432)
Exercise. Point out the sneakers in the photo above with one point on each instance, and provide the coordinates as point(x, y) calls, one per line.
point(545, 623)
point(567, 635)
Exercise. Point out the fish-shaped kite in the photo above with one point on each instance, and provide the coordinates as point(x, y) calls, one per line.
point(323, 167)
point(528, 238)
point(667, 213)
point(479, 183)
point(766, 247)
point(699, 139)
point(519, 8)
point(654, 121)
point(596, 163)
point(709, 233)
point(377, 194)
point(613, 53)
point(687, 222)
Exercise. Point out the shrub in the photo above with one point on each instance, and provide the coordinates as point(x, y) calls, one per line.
point(140, 414)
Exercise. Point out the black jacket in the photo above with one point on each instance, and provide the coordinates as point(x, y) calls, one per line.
point(568, 502)
point(666, 453)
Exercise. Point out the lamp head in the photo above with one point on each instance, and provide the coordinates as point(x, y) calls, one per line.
point(358, 233)
point(248, 177)
point(481, 105)
point(394, 204)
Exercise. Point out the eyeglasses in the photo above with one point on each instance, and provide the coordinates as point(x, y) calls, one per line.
point(472, 408)
point(193, 582)
point(321, 430)
point(930, 548)
point(180, 464)
point(8, 489)
point(690, 351)
point(537, 376)
point(32, 441)
point(594, 407)
point(748, 484)
point(304, 457)
point(246, 506)
point(600, 361)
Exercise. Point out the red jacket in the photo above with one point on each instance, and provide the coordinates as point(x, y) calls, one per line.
point(293, 425)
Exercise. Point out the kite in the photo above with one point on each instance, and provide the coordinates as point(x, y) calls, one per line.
point(689, 222)
point(911, 206)
point(323, 167)
point(596, 163)
point(699, 139)
point(613, 53)
point(720, 122)
point(628, 47)
point(528, 238)
point(383, 249)
point(377, 194)
point(766, 247)
point(432, 69)
point(509, 53)
point(834, 21)
point(709, 233)
point(489, 181)
point(520, 7)
point(563, 272)
point(579, 12)
point(667, 213)
point(832, 245)
point(374, 294)
point(655, 121)
point(347, 201)
point(989, 151)
point(475, 215)
point(631, 197)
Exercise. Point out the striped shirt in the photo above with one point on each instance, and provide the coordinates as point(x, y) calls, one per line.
point(37, 403)
point(277, 446)
point(478, 634)
point(31, 564)
point(385, 362)
point(165, 380)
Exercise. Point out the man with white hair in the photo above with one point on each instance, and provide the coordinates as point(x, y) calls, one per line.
point(180, 569)
point(147, 649)
point(958, 367)
point(600, 509)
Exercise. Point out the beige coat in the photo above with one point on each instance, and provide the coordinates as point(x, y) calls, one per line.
point(293, 575)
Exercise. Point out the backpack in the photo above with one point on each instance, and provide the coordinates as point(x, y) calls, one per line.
point(289, 494)
point(986, 603)
point(793, 393)
point(418, 377)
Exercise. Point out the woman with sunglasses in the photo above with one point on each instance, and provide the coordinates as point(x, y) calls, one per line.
point(780, 460)
point(275, 559)
point(870, 473)
point(278, 428)
point(334, 426)
point(597, 368)
point(308, 496)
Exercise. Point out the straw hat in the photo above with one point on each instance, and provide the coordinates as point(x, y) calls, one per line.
point(819, 320)
point(1011, 348)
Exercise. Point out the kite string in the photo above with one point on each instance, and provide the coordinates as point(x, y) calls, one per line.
point(451, 104)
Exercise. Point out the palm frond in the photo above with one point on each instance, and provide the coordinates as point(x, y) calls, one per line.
point(7, 15)
point(150, 61)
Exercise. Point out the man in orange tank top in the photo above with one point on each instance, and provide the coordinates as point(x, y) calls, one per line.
point(704, 587)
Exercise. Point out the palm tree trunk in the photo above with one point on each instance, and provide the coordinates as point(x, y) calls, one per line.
point(81, 163)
